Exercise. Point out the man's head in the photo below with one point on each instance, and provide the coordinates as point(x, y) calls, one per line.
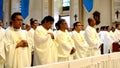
point(47, 22)
point(113, 28)
point(27, 27)
point(97, 30)
point(56, 25)
point(118, 26)
point(77, 26)
point(16, 20)
point(91, 22)
point(108, 28)
point(62, 24)
point(34, 23)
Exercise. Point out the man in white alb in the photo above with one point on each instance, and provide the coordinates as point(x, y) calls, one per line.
point(80, 43)
point(18, 51)
point(45, 47)
point(92, 38)
point(66, 47)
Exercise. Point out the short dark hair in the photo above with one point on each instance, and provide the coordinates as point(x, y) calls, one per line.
point(15, 14)
point(32, 21)
point(107, 27)
point(47, 19)
point(97, 29)
point(56, 25)
point(102, 28)
point(75, 24)
point(112, 27)
point(60, 21)
point(117, 25)
point(89, 20)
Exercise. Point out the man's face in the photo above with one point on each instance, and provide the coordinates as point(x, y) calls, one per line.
point(49, 24)
point(17, 22)
point(108, 29)
point(64, 25)
point(78, 27)
point(93, 22)
point(35, 24)
point(27, 27)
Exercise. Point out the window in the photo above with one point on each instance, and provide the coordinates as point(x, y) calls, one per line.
point(66, 5)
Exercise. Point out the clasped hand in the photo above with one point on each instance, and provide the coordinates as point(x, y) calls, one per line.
point(22, 43)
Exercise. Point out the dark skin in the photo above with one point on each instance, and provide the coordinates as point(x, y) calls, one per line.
point(34, 26)
point(22, 43)
point(72, 51)
point(52, 36)
point(92, 23)
point(1, 24)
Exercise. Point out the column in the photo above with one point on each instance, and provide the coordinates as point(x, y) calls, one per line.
point(56, 10)
point(15, 6)
point(74, 9)
point(45, 8)
point(6, 12)
point(81, 14)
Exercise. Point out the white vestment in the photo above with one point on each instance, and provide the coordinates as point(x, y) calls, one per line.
point(80, 44)
point(93, 41)
point(55, 32)
point(112, 35)
point(82, 32)
point(31, 37)
point(16, 57)
point(65, 45)
point(45, 51)
point(107, 42)
point(101, 35)
point(2, 49)
point(117, 35)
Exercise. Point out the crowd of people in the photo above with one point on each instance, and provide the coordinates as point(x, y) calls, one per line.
point(38, 44)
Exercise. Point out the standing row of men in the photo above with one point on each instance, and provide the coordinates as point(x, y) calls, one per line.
point(48, 46)
point(109, 36)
